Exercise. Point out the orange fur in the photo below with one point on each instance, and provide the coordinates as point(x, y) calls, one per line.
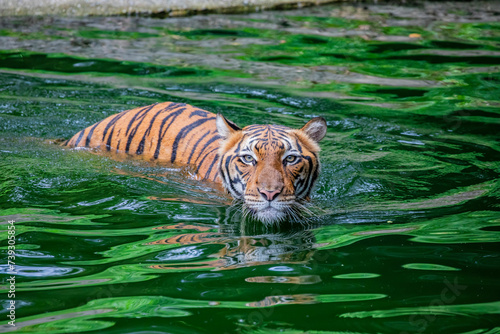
point(168, 132)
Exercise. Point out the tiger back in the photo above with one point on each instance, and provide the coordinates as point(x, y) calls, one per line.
point(171, 133)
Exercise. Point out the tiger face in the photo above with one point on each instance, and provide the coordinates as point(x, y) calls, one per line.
point(271, 169)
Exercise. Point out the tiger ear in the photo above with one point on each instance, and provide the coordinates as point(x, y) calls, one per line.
point(225, 127)
point(315, 128)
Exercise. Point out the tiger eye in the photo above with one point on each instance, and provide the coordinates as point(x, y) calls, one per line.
point(291, 158)
point(248, 159)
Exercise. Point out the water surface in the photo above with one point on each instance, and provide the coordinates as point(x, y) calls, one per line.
point(406, 238)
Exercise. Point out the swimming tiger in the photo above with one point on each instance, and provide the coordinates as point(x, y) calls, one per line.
point(270, 168)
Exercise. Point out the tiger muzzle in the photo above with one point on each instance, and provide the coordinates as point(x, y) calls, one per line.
point(270, 182)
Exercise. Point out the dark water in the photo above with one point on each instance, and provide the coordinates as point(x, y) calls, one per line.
point(408, 229)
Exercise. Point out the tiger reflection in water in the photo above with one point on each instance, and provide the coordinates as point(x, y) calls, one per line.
point(292, 246)
point(280, 249)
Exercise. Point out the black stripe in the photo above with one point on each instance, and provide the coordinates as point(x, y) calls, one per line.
point(80, 136)
point(91, 132)
point(172, 115)
point(311, 178)
point(238, 147)
point(131, 136)
point(253, 133)
point(238, 169)
point(112, 122)
point(226, 178)
point(214, 162)
point(199, 112)
point(196, 145)
point(305, 183)
point(207, 144)
point(135, 116)
point(216, 175)
point(140, 147)
point(183, 133)
point(108, 142)
point(264, 130)
point(201, 162)
point(299, 147)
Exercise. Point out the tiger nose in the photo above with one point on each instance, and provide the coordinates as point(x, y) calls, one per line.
point(269, 195)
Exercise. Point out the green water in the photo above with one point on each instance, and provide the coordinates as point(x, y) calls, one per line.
point(408, 229)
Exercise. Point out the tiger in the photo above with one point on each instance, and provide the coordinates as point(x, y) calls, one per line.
point(269, 169)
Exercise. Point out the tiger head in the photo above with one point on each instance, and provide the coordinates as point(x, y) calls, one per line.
point(270, 168)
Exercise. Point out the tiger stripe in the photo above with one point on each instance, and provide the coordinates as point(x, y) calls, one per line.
point(162, 132)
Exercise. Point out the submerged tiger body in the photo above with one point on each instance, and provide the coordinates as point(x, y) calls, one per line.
point(270, 168)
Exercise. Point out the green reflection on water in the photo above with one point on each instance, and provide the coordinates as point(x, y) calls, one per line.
point(451, 310)
point(428, 266)
point(356, 276)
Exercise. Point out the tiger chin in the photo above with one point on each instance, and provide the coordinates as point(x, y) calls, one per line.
point(270, 169)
